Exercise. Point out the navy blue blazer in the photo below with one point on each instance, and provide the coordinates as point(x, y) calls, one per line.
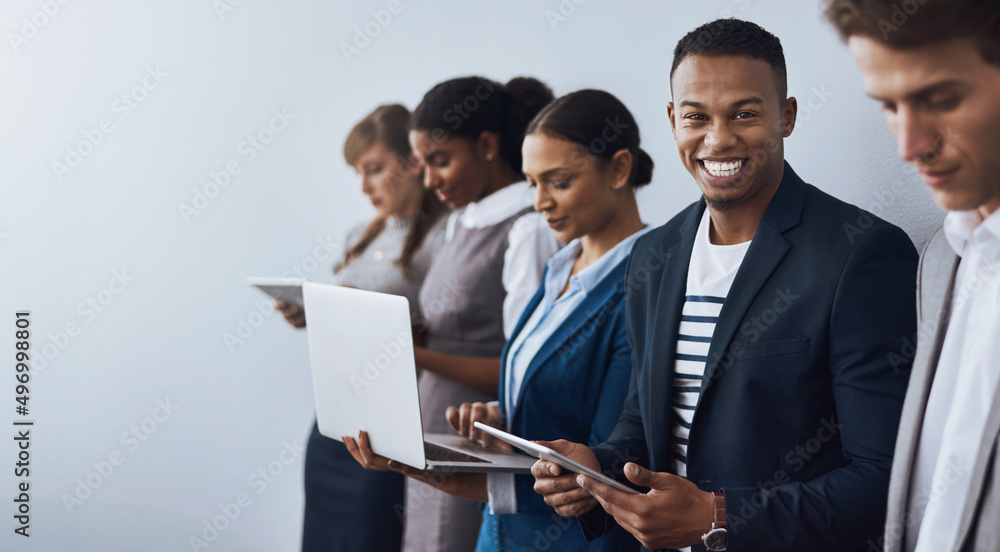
point(573, 389)
point(805, 378)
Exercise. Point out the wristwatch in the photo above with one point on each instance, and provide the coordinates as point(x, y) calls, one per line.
point(715, 538)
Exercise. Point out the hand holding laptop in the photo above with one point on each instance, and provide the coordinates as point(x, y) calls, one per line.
point(463, 419)
point(470, 486)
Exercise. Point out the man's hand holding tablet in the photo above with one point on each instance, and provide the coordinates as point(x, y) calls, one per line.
point(555, 456)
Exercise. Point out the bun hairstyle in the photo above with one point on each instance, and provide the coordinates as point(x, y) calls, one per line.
point(468, 106)
point(602, 126)
point(388, 125)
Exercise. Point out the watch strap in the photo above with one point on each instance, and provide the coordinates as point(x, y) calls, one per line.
point(720, 510)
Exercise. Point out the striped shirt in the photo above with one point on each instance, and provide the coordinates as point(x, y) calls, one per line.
point(710, 275)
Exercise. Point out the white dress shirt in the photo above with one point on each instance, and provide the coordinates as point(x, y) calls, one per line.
point(530, 243)
point(964, 384)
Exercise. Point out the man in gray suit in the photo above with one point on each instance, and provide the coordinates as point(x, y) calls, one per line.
point(934, 65)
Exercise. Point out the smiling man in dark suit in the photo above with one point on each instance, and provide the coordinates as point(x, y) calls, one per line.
point(767, 385)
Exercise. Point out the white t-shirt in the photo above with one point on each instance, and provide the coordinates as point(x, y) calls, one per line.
point(710, 275)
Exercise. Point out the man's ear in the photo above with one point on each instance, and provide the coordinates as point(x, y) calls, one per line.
point(788, 116)
point(670, 115)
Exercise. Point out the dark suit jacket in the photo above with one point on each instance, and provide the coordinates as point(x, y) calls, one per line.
point(802, 393)
point(574, 389)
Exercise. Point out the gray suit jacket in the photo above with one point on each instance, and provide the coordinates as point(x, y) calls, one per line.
point(980, 530)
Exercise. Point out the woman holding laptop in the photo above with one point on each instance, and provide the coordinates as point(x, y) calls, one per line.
point(565, 368)
point(349, 509)
point(467, 132)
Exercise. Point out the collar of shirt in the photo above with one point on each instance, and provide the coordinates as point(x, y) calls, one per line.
point(497, 206)
point(560, 265)
point(967, 228)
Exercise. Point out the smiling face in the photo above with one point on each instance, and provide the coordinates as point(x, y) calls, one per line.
point(942, 102)
point(729, 122)
point(454, 169)
point(577, 195)
point(390, 184)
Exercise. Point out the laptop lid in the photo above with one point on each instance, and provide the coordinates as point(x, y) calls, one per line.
point(364, 376)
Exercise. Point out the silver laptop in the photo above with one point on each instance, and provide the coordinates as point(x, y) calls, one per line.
point(365, 378)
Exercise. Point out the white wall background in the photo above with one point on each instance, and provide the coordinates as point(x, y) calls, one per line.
point(221, 76)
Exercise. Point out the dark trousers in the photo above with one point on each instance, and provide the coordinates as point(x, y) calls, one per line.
point(348, 509)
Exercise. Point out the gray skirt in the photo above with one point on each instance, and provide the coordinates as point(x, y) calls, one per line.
point(436, 521)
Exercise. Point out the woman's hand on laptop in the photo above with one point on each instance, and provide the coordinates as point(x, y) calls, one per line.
point(462, 418)
point(470, 486)
point(361, 450)
point(292, 313)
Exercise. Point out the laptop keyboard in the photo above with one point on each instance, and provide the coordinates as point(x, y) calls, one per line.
point(440, 454)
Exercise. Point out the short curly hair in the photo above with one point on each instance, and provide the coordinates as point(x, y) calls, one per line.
point(734, 37)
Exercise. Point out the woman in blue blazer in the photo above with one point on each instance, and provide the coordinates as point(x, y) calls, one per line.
point(565, 369)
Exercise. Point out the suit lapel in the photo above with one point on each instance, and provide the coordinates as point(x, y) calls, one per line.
point(528, 311)
point(569, 327)
point(937, 280)
point(766, 251)
point(661, 337)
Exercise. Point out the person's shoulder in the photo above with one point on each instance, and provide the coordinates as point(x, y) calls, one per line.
point(829, 216)
point(937, 246)
point(669, 231)
point(436, 233)
point(822, 208)
point(355, 232)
